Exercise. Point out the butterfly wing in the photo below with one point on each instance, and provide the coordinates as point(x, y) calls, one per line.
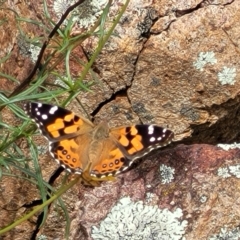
point(68, 134)
point(110, 161)
point(138, 140)
point(71, 153)
point(127, 144)
point(71, 142)
point(56, 123)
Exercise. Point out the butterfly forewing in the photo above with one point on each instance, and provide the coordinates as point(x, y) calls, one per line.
point(138, 140)
point(55, 122)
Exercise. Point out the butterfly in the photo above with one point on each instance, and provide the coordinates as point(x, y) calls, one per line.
point(97, 152)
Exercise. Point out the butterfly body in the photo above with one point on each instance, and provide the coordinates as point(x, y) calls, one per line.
point(97, 152)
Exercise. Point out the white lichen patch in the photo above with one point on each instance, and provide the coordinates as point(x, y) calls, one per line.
point(235, 170)
point(60, 6)
point(227, 76)
point(150, 196)
point(227, 147)
point(34, 51)
point(227, 235)
point(136, 221)
point(203, 59)
point(42, 237)
point(223, 172)
point(85, 14)
point(166, 173)
point(42, 149)
point(229, 171)
point(203, 198)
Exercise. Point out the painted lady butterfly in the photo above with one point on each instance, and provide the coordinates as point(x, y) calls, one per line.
point(96, 152)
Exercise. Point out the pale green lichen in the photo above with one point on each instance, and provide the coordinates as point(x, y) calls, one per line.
point(150, 196)
point(166, 173)
point(223, 172)
point(130, 220)
point(42, 237)
point(34, 51)
point(28, 49)
point(229, 171)
point(235, 170)
point(227, 76)
point(203, 59)
point(203, 198)
point(42, 149)
point(85, 14)
point(60, 6)
point(227, 147)
point(227, 235)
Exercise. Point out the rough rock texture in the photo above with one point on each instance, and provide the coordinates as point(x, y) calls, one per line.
point(173, 63)
point(206, 199)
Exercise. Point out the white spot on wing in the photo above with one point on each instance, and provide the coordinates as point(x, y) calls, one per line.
point(150, 129)
point(53, 109)
point(50, 150)
point(152, 139)
point(159, 138)
point(125, 168)
point(44, 116)
point(39, 105)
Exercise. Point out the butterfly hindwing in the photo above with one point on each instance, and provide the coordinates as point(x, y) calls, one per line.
point(72, 153)
point(111, 161)
point(129, 144)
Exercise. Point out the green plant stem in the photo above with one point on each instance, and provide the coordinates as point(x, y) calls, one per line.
point(103, 41)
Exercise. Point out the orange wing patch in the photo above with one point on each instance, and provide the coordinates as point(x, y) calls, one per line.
point(58, 124)
point(136, 143)
point(69, 124)
point(111, 164)
point(66, 151)
point(129, 139)
point(123, 140)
